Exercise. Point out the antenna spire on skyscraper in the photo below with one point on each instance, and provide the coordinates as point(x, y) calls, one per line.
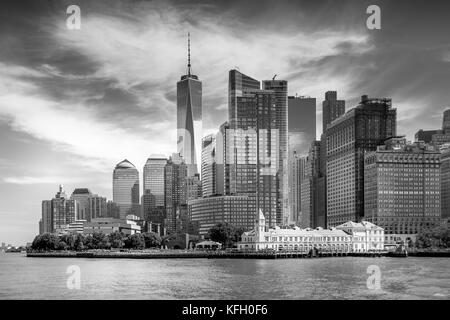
point(189, 53)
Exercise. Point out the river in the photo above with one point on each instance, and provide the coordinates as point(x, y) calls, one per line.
point(319, 278)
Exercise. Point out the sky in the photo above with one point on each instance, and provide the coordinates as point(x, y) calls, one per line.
point(74, 103)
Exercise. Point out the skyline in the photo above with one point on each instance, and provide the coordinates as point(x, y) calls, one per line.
point(92, 99)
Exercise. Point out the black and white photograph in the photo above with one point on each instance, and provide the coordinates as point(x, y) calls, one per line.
point(224, 151)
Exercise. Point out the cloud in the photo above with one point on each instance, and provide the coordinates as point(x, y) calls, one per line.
point(40, 180)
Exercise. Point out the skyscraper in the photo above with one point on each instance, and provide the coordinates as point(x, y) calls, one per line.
point(154, 177)
point(189, 118)
point(209, 169)
point(64, 211)
point(126, 188)
point(280, 88)
point(445, 184)
point(175, 176)
point(348, 137)
point(331, 108)
point(82, 196)
point(446, 122)
point(301, 132)
point(47, 217)
point(253, 144)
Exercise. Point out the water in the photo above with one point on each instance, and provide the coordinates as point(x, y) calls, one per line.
point(324, 278)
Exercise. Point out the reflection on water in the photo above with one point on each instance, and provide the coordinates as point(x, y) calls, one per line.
point(324, 278)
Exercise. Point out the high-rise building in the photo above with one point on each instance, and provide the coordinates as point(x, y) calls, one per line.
point(445, 184)
point(297, 165)
point(331, 108)
point(126, 188)
point(153, 176)
point(97, 207)
point(348, 137)
point(209, 166)
point(175, 176)
point(301, 132)
point(47, 217)
point(253, 143)
point(446, 122)
point(280, 88)
point(425, 135)
point(189, 118)
point(64, 211)
point(309, 189)
point(402, 188)
point(82, 195)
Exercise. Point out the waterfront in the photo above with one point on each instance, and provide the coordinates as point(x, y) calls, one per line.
point(325, 278)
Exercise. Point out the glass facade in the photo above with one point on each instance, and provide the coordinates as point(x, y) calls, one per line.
point(189, 121)
point(126, 189)
point(153, 175)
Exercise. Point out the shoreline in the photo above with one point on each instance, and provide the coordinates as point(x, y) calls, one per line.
point(178, 254)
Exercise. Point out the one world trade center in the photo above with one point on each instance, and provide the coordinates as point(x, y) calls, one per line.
point(189, 118)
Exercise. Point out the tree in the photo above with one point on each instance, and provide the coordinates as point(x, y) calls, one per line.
point(152, 240)
point(101, 241)
point(69, 240)
point(135, 241)
point(79, 243)
point(45, 241)
point(435, 237)
point(116, 239)
point(225, 233)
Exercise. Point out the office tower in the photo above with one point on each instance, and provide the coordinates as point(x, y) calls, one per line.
point(445, 184)
point(441, 139)
point(301, 132)
point(189, 118)
point(309, 188)
point(47, 217)
point(64, 211)
point(331, 108)
point(82, 196)
point(425, 135)
point(361, 129)
point(193, 188)
point(154, 177)
point(296, 172)
point(126, 188)
point(237, 84)
point(97, 207)
point(280, 88)
point(253, 144)
point(402, 188)
point(222, 163)
point(175, 175)
point(254, 153)
point(446, 122)
point(209, 169)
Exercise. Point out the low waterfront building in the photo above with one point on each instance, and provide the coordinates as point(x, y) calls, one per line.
point(347, 237)
point(110, 225)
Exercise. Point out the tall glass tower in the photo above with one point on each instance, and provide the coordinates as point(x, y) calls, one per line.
point(154, 177)
point(126, 188)
point(189, 118)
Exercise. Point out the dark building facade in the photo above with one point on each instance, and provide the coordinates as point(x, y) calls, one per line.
point(361, 129)
point(331, 108)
